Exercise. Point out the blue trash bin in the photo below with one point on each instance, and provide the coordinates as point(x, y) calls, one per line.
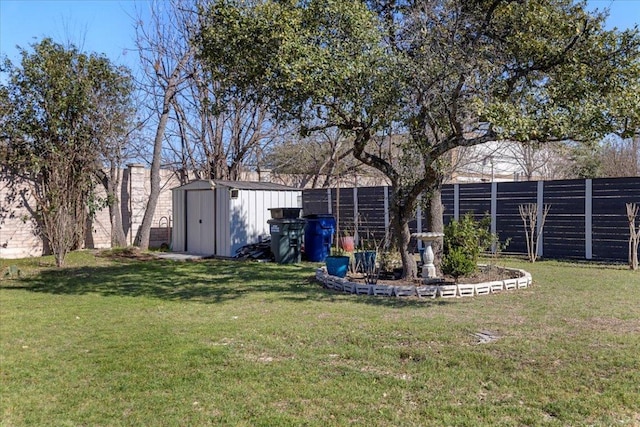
point(318, 236)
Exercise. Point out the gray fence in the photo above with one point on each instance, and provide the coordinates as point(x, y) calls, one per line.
point(587, 218)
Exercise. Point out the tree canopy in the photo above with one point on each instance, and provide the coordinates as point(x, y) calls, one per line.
point(60, 107)
point(451, 73)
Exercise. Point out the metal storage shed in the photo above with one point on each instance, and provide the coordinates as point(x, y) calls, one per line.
point(218, 217)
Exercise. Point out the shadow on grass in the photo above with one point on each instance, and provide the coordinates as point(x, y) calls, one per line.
point(379, 301)
point(210, 281)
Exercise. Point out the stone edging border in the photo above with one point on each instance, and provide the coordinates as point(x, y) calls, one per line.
point(524, 280)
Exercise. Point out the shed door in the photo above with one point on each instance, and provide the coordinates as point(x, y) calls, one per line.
point(200, 222)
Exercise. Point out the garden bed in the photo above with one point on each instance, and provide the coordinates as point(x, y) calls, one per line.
point(487, 280)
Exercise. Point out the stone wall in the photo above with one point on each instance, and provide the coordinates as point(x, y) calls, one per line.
point(19, 233)
point(139, 190)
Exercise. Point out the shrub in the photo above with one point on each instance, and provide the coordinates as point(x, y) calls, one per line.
point(457, 263)
point(463, 242)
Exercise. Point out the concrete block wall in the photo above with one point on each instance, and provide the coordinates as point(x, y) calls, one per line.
point(140, 188)
point(98, 235)
point(19, 237)
point(18, 231)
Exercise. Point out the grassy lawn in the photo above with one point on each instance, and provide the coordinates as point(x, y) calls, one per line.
point(106, 343)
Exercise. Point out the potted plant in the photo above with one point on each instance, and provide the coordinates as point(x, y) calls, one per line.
point(366, 257)
point(338, 262)
point(347, 241)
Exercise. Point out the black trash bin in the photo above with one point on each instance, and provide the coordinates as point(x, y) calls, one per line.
point(318, 236)
point(287, 232)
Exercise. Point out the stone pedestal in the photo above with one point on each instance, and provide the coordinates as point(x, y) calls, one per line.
point(428, 268)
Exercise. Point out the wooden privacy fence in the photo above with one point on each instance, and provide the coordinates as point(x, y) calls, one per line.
point(587, 218)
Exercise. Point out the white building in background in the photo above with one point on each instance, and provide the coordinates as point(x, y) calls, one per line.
point(507, 161)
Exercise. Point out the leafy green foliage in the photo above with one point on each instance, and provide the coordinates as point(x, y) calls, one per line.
point(457, 263)
point(299, 56)
point(60, 106)
point(464, 240)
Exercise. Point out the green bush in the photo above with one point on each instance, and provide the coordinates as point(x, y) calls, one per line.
point(457, 263)
point(463, 242)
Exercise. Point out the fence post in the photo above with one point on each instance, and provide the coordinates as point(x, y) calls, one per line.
point(330, 209)
point(588, 219)
point(419, 219)
point(355, 215)
point(539, 214)
point(494, 213)
point(456, 202)
point(137, 198)
point(386, 209)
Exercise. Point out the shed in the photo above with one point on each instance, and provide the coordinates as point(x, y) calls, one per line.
point(218, 217)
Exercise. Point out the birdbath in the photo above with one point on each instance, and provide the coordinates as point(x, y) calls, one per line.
point(428, 269)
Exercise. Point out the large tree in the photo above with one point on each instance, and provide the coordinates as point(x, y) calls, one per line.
point(117, 130)
point(452, 73)
point(56, 102)
point(164, 56)
point(194, 130)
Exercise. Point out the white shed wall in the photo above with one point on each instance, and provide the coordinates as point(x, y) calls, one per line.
point(223, 226)
point(238, 221)
point(249, 213)
point(179, 221)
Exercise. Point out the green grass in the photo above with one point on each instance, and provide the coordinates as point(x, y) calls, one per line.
point(110, 343)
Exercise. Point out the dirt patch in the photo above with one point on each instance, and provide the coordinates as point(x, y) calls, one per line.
point(484, 274)
point(130, 253)
point(488, 273)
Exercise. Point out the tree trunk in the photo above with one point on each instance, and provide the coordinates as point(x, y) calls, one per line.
point(435, 223)
point(144, 232)
point(166, 51)
point(118, 238)
point(401, 214)
point(111, 183)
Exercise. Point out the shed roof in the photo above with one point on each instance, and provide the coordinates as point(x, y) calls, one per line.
point(206, 184)
point(255, 185)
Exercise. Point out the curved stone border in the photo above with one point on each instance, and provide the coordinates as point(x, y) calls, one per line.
point(459, 290)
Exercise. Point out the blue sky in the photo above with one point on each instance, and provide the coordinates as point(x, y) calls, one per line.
point(101, 26)
point(106, 26)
